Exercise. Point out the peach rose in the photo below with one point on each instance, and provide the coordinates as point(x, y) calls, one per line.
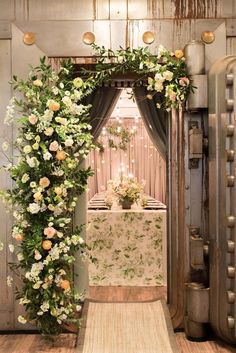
point(19, 237)
point(53, 105)
point(38, 196)
point(54, 146)
point(44, 182)
point(184, 81)
point(61, 155)
point(49, 232)
point(33, 119)
point(48, 131)
point(179, 54)
point(46, 244)
point(58, 190)
point(65, 284)
point(37, 83)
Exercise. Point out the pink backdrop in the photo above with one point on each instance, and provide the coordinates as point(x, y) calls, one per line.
point(141, 159)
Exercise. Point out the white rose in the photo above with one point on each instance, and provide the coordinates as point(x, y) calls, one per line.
point(21, 319)
point(37, 285)
point(35, 146)
point(49, 131)
point(69, 142)
point(37, 255)
point(33, 208)
point(55, 90)
point(27, 149)
point(32, 162)
point(9, 281)
point(11, 248)
point(47, 156)
point(5, 146)
point(48, 115)
point(37, 83)
point(33, 184)
point(67, 101)
point(20, 257)
point(25, 178)
point(168, 75)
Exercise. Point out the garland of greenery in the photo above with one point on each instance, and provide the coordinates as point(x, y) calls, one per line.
point(54, 137)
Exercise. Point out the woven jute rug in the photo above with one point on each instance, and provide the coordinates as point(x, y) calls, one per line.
point(127, 328)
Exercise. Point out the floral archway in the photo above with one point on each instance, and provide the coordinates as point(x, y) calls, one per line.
point(54, 137)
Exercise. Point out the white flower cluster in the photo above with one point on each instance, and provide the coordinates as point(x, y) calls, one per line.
point(10, 112)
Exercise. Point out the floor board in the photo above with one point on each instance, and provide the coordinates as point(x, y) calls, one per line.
point(65, 343)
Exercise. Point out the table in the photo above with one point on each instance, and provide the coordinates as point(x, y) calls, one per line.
point(128, 247)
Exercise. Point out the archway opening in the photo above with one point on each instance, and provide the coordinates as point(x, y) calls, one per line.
point(128, 247)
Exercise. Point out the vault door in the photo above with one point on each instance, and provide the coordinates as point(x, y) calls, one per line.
point(222, 197)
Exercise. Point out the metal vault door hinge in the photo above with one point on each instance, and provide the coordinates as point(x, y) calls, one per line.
point(222, 198)
point(195, 144)
point(197, 310)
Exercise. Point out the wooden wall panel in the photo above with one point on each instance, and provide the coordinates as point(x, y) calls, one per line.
point(6, 293)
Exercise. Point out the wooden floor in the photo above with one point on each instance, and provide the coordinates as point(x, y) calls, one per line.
point(66, 343)
point(127, 294)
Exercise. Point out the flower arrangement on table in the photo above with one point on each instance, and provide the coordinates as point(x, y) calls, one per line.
point(126, 189)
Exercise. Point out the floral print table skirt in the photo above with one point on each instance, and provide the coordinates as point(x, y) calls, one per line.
point(128, 248)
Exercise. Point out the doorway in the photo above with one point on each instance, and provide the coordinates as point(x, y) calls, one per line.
point(128, 247)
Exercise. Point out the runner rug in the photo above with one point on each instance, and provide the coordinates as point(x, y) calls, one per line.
point(127, 328)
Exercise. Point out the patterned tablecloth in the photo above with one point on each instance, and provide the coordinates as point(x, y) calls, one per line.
point(128, 247)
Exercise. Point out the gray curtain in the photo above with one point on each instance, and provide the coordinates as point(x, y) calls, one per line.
point(155, 120)
point(103, 101)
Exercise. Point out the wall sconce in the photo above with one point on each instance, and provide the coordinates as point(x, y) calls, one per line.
point(208, 37)
point(88, 38)
point(148, 37)
point(29, 38)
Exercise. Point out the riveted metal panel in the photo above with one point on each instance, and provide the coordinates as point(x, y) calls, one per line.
point(119, 34)
point(231, 46)
point(61, 38)
point(102, 9)
point(7, 10)
point(118, 9)
point(102, 30)
point(5, 30)
point(60, 10)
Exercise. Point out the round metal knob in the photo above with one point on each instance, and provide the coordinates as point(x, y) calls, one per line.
point(229, 79)
point(230, 297)
point(230, 245)
point(229, 104)
point(230, 271)
point(230, 221)
point(230, 320)
point(230, 155)
point(230, 130)
point(230, 180)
